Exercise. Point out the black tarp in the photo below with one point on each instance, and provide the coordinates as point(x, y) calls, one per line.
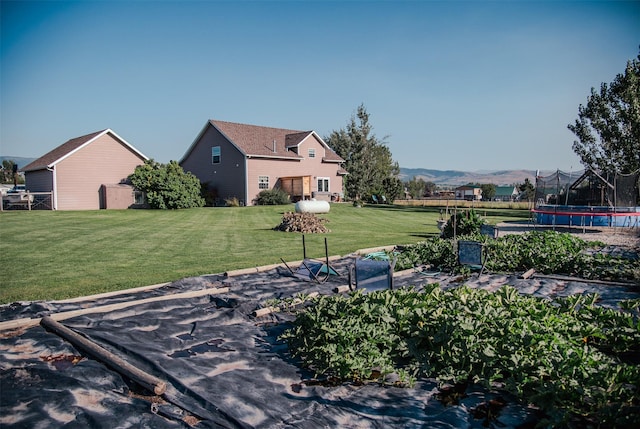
point(224, 367)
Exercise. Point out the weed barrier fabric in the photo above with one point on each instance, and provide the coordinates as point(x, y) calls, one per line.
point(223, 367)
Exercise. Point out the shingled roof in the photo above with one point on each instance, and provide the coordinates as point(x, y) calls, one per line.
point(258, 141)
point(56, 155)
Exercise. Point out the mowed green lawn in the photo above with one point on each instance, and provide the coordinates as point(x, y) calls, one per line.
point(48, 255)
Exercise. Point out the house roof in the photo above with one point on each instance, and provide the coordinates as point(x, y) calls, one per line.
point(66, 149)
point(505, 190)
point(266, 142)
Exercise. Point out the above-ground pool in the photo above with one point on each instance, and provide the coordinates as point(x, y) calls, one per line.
point(587, 215)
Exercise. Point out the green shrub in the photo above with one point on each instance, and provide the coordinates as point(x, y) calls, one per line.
point(272, 197)
point(465, 223)
point(167, 186)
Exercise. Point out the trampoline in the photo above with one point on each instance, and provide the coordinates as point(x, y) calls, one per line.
point(587, 216)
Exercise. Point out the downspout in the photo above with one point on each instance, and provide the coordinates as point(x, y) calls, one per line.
point(246, 180)
point(54, 191)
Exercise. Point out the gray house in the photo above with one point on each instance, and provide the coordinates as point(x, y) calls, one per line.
point(238, 161)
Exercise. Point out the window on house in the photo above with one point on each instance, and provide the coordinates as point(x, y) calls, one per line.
point(323, 184)
point(215, 155)
point(263, 182)
point(312, 153)
point(139, 198)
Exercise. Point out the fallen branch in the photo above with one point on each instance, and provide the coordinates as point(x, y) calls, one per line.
point(271, 309)
point(118, 364)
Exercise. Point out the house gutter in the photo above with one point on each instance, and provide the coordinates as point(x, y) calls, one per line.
point(246, 180)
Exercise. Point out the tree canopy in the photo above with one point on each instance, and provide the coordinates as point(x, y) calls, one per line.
point(488, 191)
point(6, 172)
point(167, 186)
point(416, 187)
point(527, 190)
point(368, 160)
point(608, 126)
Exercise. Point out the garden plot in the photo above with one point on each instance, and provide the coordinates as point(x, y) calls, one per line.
point(223, 366)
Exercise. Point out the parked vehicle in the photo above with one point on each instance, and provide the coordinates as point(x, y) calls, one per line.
point(18, 195)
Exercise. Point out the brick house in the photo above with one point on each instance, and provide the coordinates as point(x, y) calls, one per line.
point(86, 173)
point(238, 161)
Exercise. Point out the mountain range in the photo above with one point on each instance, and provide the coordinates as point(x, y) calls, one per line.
point(458, 178)
point(20, 160)
point(439, 177)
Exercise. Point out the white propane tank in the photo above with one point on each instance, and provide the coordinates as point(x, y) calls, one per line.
point(312, 206)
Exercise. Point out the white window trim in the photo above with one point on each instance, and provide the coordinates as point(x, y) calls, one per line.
point(213, 149)
point(261, 182)
point(328, 181)
point(312, 152)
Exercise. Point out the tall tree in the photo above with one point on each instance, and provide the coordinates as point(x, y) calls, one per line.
point(6, 172)
point(488, 191)
point(608, 127)
point(367, 159)
point(416, 187)
point(430, 188)
point(527, 190)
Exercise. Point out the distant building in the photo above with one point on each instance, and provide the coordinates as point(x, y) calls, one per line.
point(506, 193)
point(468, 192)
point(82, 173)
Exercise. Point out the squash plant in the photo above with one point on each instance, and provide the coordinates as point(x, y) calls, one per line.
point(549, 252)
point(575, 361)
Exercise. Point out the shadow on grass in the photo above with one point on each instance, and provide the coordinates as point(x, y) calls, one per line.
point(425, 235)
point(406, 209)
point(489, 212)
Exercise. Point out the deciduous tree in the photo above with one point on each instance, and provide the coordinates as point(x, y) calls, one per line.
point(416, 187)
point(488, 191)
point(608, 126)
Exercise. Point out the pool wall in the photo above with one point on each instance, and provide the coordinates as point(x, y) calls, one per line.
point(587, 216)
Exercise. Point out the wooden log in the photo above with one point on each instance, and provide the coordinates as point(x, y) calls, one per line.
point(264, 311)
point(118, 364)
point(29, 323)
point(110, 294)
point(341, 289)
point(528, 273)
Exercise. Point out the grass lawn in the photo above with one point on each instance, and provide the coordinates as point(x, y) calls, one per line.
point(47, 255)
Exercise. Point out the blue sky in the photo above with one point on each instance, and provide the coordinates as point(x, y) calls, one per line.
point(463, 85)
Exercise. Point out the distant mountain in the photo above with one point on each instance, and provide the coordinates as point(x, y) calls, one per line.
point(458, 178)
point(20, 160)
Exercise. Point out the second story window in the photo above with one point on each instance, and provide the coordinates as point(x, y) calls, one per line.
point(312, 153)
point(215, 155)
